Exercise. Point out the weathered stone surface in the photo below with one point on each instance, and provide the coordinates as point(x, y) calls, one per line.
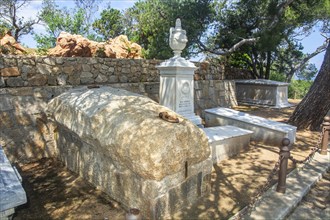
point(68, 45)
point(2, 82)
point(101, 79)
point(61, 79)
point(126, 127)
point(113, 79)
point(52, 81)
point(6, 120)
point(15, 82)
point(10, 71)
point(38, 80)
point(114, 139)
point(29, 61)
point(86, 80)
point(27, 69)
point(50, 61)
point(10, 46)
point(68, 69)
point(10, 62)
point(44, 68)
point(86, 75)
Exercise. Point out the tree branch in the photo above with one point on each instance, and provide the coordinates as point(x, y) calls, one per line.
point(280, 11)
point(281, 8)
point(229, 51)
point(318, 50)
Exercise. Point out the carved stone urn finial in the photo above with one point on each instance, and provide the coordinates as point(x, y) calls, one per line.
point(178, 39)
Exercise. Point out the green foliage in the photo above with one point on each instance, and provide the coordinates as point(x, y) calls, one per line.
point(307, 73)
point(100, 52)
point(277, 76)
point(4, 50)
point(149, 23)
point(57, 20)
point(89, 8)
point(110, 24)
point(273, 26)
point(299, 88)
point(4, 28)
point(44, 42)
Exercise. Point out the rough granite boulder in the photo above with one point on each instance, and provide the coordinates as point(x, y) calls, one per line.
point(10, 46)
point(72, 45)
point(128, 129)
point(116, 140)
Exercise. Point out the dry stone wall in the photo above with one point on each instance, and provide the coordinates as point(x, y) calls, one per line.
point(27, 83)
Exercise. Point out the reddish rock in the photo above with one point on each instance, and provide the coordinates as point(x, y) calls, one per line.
point(124, 48)
point(10, 46)
point(10, 71)
point(68, 45)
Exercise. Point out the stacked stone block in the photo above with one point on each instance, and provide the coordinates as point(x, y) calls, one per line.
point(27, 83)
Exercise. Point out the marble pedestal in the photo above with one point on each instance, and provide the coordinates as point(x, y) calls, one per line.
point(177, 87)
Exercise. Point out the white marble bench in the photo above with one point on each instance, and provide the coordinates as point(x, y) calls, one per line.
point(12, 193)
point(266, 131)
point(226, 141)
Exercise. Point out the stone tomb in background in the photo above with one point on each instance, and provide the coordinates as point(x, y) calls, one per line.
point(116, 140)
point(262, 92)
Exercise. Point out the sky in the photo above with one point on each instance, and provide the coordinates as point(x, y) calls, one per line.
point(310, 43)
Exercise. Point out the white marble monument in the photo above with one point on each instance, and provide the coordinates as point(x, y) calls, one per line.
point(177, 78)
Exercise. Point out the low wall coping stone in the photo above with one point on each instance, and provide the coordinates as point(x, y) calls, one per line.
point(262, 82)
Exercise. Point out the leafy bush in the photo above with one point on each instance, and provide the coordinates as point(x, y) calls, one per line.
point(299, 88)
point(277, 77)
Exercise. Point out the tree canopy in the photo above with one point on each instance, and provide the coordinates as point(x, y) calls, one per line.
point(58, 19)
point(10, 19)
point(269, 31)
point(151, 20)
point(260, 35)
point(110, 24)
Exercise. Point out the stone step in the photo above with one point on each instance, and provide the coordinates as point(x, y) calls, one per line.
point(265, 130)
point(226, 141)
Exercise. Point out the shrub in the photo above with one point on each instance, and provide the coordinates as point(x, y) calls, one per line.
point(299, 88)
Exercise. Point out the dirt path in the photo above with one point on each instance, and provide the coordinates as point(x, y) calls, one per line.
point(55, 193)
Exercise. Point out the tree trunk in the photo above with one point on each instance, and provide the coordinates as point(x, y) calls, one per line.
point(315, 105)
point(268, 65)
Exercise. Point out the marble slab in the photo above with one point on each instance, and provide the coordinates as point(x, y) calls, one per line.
point(12, 193)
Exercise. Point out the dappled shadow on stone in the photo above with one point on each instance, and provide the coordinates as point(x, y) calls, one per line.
point(236, 180)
